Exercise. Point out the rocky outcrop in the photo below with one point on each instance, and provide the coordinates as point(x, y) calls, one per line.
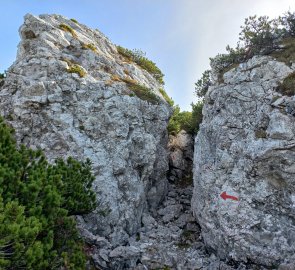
point(70, 93)
point(181, 152)
point(244, 174)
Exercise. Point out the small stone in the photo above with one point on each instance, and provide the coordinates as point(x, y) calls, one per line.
point(103, 253)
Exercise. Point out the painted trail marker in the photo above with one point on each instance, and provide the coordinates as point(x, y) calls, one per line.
point(224, 196)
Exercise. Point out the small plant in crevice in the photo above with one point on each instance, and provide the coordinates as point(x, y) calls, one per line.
point(2, 76)
point(68, 28)
point(129, 81)
point(115, 78)
point(185, 239)
point(137, 236)
point(186, 181)
point(126, 72)
point(77, 69)
point(274, 99)
point(165, 267)
point(287, 87)
point(260, 133)
point(89, 46)
point(104, 212)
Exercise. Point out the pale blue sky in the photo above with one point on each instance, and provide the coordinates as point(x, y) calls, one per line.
point(179, 35)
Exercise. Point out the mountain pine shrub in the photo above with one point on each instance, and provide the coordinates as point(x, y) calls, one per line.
point(188, 121)
point(37, 204)
point(258, 36)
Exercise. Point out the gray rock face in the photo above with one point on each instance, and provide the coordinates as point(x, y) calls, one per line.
point(96, 116)
point(181, 152)
point(246, 148)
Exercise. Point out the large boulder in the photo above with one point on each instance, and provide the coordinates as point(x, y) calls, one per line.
point(244, 165)
point(70, 93)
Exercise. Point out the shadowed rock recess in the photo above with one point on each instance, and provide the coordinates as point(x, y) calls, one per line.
point(70, 92)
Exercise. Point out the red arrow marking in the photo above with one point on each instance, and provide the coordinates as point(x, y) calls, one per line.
point(224, 196)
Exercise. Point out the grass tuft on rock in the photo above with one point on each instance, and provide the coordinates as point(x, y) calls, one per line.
point(77, 69)
point(142, 91)
point(139, 58)
point(68, 28)
point(89, 46)
point(75, 21)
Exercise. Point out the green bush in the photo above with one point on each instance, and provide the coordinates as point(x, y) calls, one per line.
point(287, 53)
point(139, 58)
point(288, 24)
point(197, 115)
point(202, 85)
point(166, 97)
point(259, 36)
point(188, 121)
point(37, 204)
point(125, 53)
point(2, 76)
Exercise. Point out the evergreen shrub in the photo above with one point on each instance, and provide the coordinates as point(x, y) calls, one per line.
point(38, 202)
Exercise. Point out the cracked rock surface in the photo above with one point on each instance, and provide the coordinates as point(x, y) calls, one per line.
point(95, 116)
point(246, 148)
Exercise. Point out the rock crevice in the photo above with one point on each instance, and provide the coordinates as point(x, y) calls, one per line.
point(71, 93)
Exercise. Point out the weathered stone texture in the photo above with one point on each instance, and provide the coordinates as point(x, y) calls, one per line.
point(246, 147)
point(95, 117)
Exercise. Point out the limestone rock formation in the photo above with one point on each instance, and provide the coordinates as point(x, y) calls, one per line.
point(246, 148)
point(70, 93)
point(181, 152)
